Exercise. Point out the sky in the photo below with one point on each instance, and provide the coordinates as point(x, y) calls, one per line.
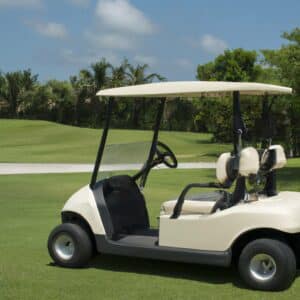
point(57, 38)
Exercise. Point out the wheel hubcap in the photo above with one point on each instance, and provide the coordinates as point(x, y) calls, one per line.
point(64, 246)
point(262, 267)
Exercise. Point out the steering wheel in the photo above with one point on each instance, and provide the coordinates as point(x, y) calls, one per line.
point(166, 155)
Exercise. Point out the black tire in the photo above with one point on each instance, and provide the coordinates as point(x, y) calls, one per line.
point(271, 253)
point(75, 242)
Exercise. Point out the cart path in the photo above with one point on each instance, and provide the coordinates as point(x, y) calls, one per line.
point(38, 168)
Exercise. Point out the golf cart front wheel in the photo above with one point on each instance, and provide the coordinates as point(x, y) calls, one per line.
point(69, 245)
point(267, 264)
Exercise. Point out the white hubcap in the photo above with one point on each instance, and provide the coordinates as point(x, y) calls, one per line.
point(64, 246)
point(262, 267)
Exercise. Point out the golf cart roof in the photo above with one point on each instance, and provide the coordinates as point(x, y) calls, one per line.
point(194, 89)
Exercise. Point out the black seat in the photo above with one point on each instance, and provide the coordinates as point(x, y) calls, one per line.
point(126, 205)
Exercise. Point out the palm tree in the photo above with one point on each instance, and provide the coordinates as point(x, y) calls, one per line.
point(13, 81)
point(84, 89)
point(100, 73)
point(18, 83)
point(137, 75)
point(63, 98)
point(101, 79)
point(118, 76)
point(28, 80)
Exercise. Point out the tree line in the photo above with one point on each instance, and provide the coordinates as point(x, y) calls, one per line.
point(75, 102)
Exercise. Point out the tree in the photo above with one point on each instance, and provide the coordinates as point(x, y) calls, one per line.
point(84, 89)
point(37, 103)
point(213, 114)
point(286, 62)
point(233, 65)
point(13, 82)
point(17, 83)
point(118, 76)
point(100, 73)
point(137, 75)
point(63, 100)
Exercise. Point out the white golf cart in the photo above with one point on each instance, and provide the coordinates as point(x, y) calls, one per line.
point(257, 230)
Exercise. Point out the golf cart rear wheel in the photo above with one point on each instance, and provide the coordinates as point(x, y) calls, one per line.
point(267, 264)
point(69, 245)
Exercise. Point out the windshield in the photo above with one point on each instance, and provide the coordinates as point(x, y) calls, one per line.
point(126, 150)
point(125, 155)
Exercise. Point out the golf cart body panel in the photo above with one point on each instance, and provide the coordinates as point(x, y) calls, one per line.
point(83, 204)
point(282, 211)
point(279, 212)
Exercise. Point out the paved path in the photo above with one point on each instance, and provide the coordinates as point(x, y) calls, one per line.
point(14, 168)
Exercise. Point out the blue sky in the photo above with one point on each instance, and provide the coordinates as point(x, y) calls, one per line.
point(57, 38)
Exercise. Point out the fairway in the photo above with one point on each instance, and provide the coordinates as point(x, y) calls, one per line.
point(30, 207)
point(45, 142)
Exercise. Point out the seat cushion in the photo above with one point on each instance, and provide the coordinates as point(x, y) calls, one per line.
point(199, 204)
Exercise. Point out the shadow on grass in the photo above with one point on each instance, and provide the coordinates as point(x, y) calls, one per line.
point(193, 272)
point(176, 270)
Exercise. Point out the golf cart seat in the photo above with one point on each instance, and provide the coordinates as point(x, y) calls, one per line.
point(201, 204)
point(204, 203)
point(273, 158)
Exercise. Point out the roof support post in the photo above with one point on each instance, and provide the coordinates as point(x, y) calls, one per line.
point(267, 133)
point(159, 116)
point(238, 123)
point(266, 123)
point(102, 142)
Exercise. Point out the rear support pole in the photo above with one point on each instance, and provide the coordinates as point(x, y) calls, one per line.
point(270, 188)
point(238, 124)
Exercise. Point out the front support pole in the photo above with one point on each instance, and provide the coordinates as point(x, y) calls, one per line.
point(102, 142)
point(152, 151)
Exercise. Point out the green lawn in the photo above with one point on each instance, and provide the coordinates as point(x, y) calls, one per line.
point(30, 207)
point(40, 141)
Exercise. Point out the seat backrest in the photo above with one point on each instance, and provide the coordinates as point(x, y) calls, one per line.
point(126, 204)
point(222, 169)
point(273, 158)
point(248, 165)
point(249, 162)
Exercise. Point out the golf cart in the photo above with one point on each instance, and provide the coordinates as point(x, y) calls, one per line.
point(257, 230)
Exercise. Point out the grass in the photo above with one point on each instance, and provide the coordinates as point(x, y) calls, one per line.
point(30, 207)
point(46, 142)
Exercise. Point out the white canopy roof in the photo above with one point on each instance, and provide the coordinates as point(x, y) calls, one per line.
point(194, 89)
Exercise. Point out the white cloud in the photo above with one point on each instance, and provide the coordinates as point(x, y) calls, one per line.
point(149, 60)
point(212, 44)
point(103, 40)
point(21, 3)
point(69, 57)
point(51, 29)
point(122, 16)
point(82, 3)
point(184, 63)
